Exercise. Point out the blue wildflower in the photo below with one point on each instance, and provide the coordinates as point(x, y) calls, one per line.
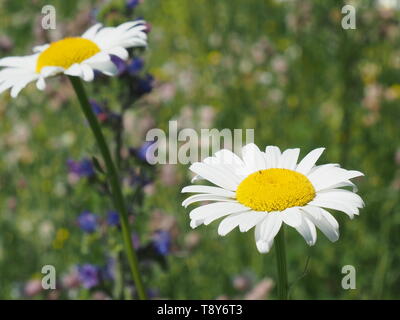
point(145, 85)
point(109, 269)
point(119, 63)
point(96, 107)
point(88, 221)
point(113, 218)
point(162, 242)
point(132, 4)
point(142, 151)
point(83, 168)
point(135, 66)
point(88, 275)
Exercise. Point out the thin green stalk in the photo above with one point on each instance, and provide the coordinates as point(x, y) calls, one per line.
point(113, 179)
point(281, 265)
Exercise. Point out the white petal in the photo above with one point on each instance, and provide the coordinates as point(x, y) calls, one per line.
point(106, 67)
point(50, 71)
point(289, 158)
point(271, 226)
point(262, 246)
point(308, 231)
point(209, 190)
point(326, 222)
point(309, 161)
point(204, 197)
point(41, 84)
point(87, 72)
point(20, 84)
point(331, 176)
point(335, 205)
point(40, 48)
point(253, 218)
point(272, 156)
point(120, 52)
point(341, 195)
point(231, 222)
point(227, 170)
point(74, 70)
point(292, 217)
point(215, 211)
point(91, 32)
point(213, 175)
point(253, 157)
point(24, 62)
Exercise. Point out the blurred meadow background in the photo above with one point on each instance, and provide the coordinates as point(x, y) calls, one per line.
point(285, 68)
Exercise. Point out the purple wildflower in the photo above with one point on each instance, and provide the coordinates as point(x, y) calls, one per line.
point(119, 63)
point(82, 168)
point(135, 66)
point(143, 151)
point(113, 218)
point(88, 221)
point(88, 275)
point(109, 269)
point(132, 4)
point(145, 85)
point(162, 242)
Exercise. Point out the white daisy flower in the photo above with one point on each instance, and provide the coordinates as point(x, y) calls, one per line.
point(75, 56)
point(265, 189)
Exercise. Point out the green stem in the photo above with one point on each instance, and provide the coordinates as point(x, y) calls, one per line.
point(114, 181)
point(281, 265)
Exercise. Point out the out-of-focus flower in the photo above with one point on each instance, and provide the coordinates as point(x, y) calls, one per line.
point(54, 295)
point(192, 239)
point(153, 293)
point(81, 169)
point(33, 287)
point(162, 242)
point(88, 221)
point(207, 116)
point(266, 189)
point(261, 290)
point(169, 175)
point(113, 218)
point(132, 4)
point(109, 269)
point(119, 63)
point(71, 280)
point(74, 56)
point(241, 282)
point(144, 151)
point(88, 275)
point(145, 84)
point(397, 157)
point(387, 4)
point(135, 241)
point(99, 111)
point(100, 295)
point(161, 221)
point(135, 66)
point(5, 43)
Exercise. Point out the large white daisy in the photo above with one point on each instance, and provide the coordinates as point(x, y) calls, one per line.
point(265, 189)
point(75, 56)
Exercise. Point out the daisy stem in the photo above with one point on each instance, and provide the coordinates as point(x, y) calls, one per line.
point(281, 265)
point(113, 178)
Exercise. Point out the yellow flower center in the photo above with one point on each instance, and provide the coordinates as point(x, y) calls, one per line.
point(275, 190)
point(66, 52)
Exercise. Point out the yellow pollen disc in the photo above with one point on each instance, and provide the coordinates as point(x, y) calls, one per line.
point(275, 190)
point(66, 52)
